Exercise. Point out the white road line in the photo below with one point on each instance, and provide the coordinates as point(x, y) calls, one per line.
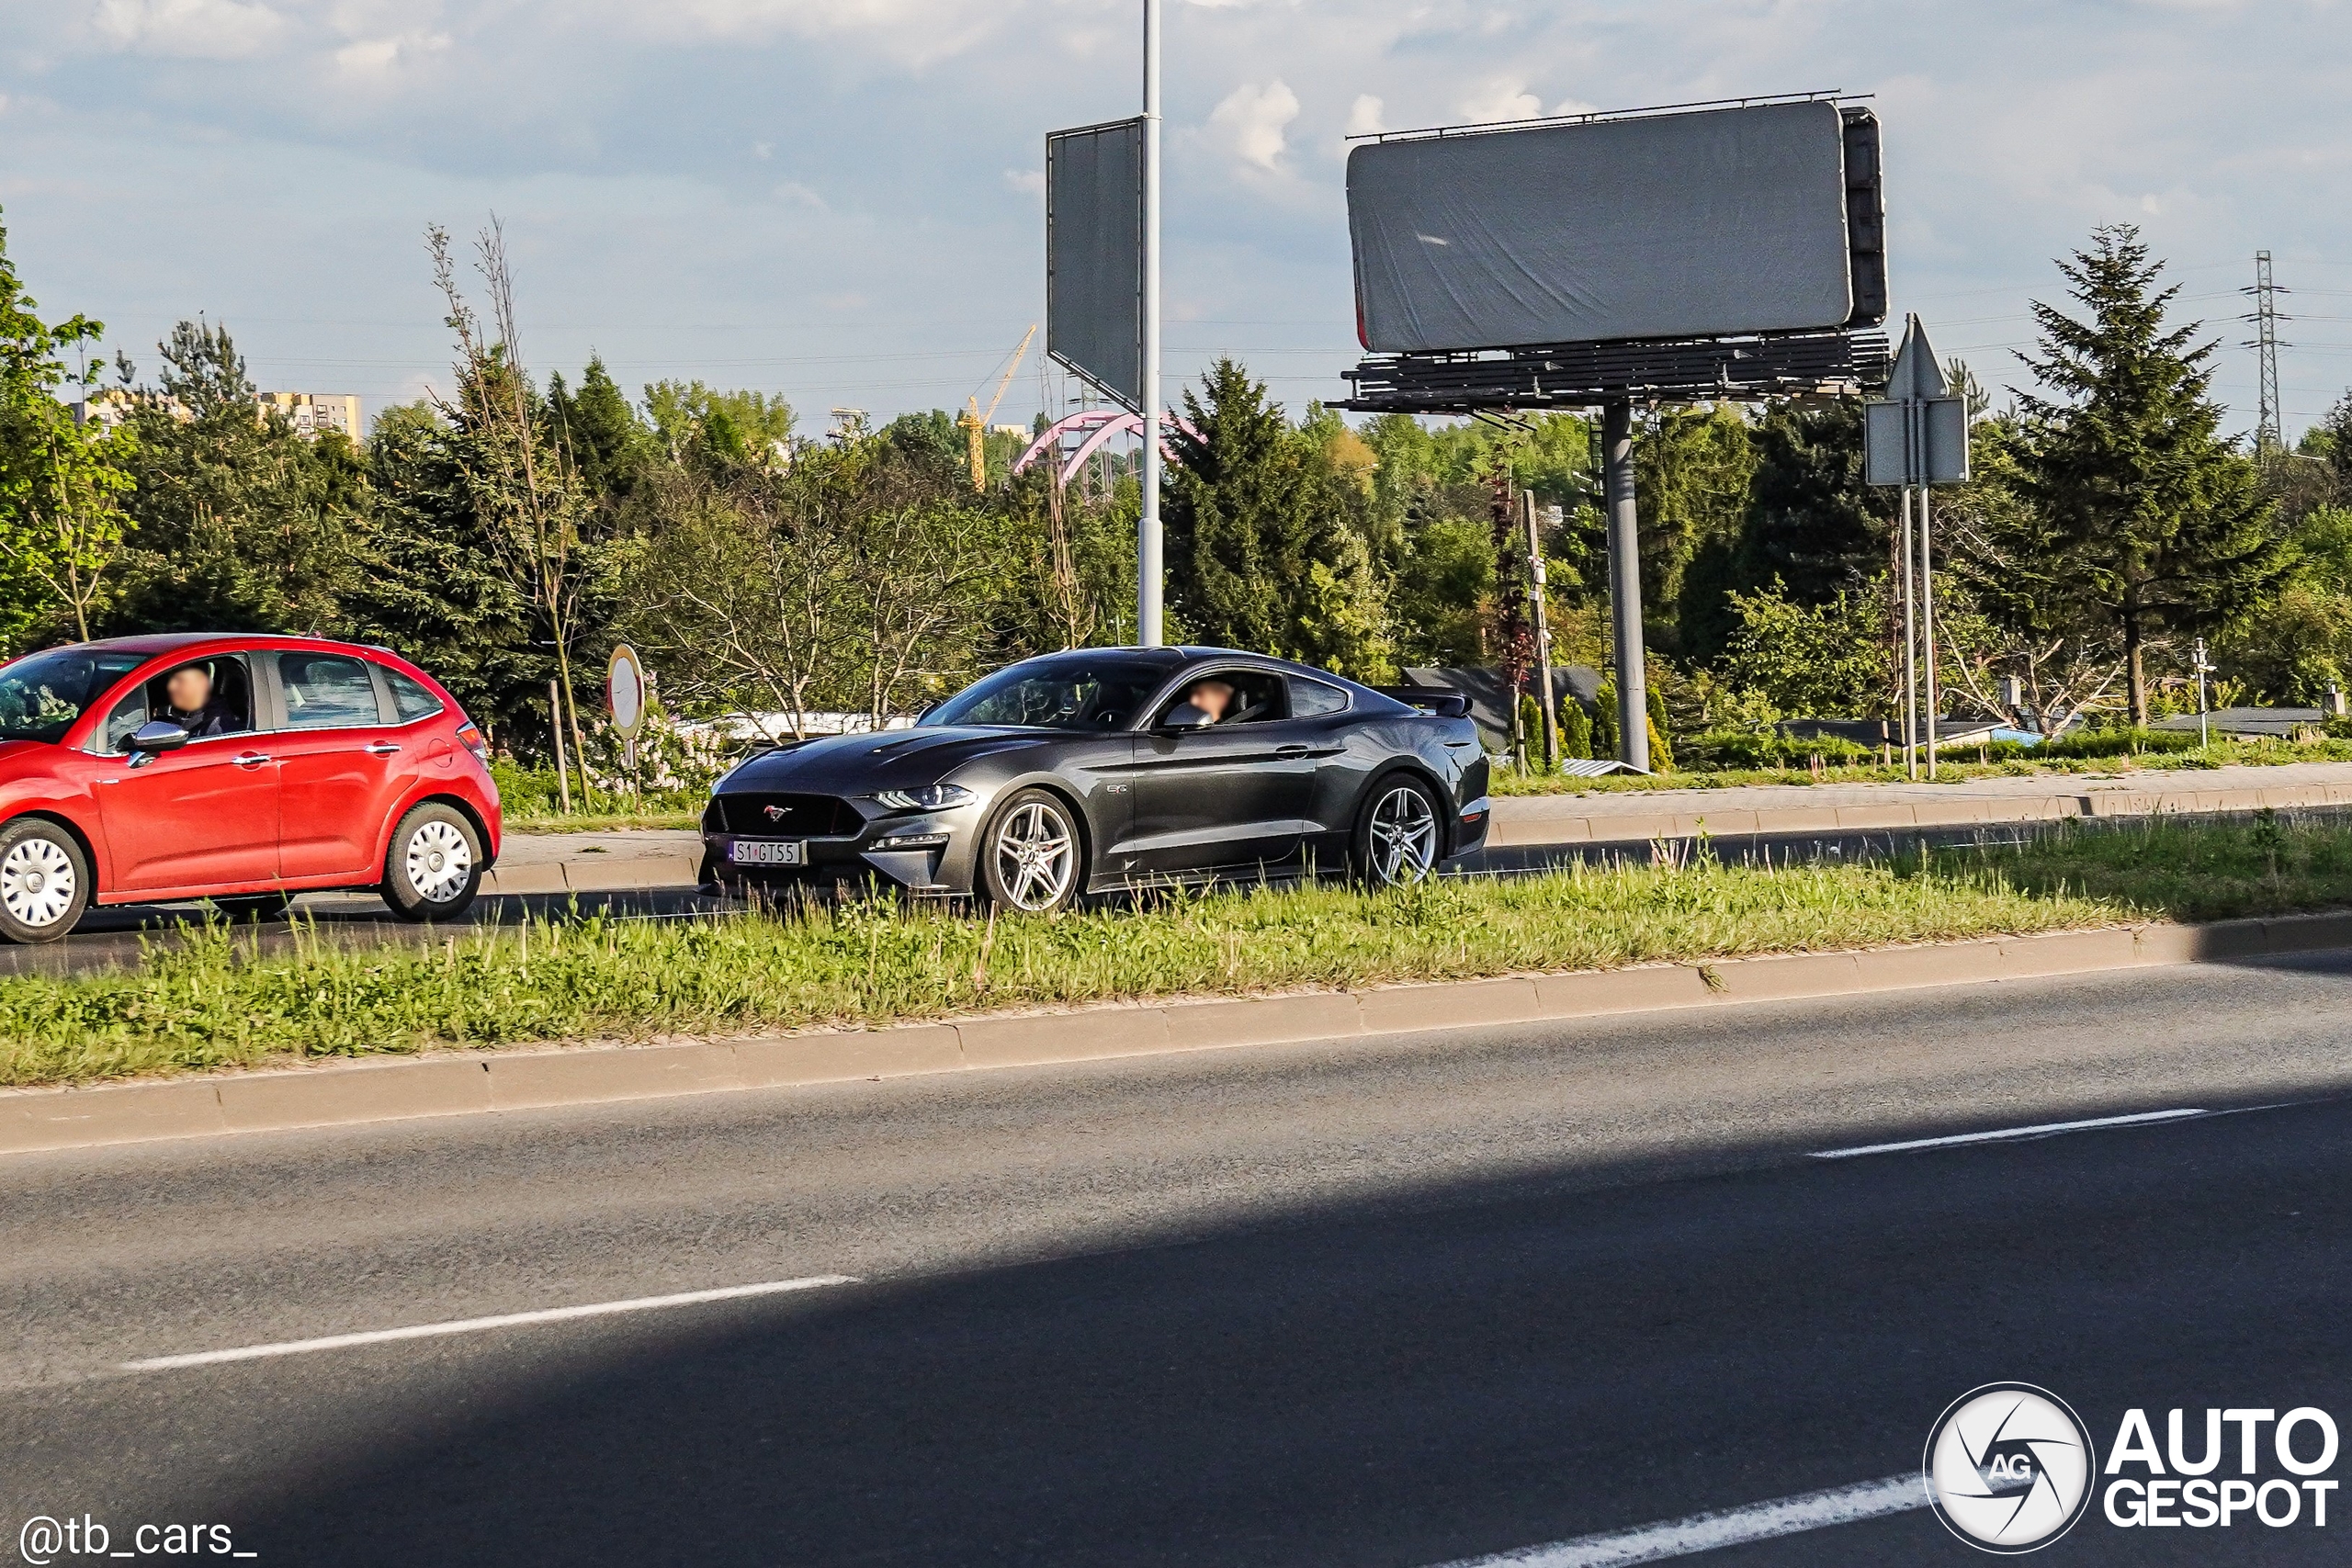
point(2009, 1133)
point(1725, 1527)
point(480, 1325)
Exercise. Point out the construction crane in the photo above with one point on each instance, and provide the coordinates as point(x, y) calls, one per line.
point(976, 423)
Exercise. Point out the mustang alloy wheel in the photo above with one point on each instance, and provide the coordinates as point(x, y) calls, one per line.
point(1031, 854)
point(1398, 840)
point(433, 866)
point(44, 883)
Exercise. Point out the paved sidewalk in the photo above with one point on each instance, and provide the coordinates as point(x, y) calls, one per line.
point(1631, 815)
point(622, 861)
point(653, 858)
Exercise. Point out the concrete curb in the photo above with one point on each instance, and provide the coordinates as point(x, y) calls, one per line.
point(460, 1083)
point(620, 873)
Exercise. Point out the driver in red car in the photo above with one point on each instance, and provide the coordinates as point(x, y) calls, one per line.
point(189, 693)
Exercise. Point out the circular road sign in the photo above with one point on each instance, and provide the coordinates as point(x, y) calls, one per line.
point(625, 690)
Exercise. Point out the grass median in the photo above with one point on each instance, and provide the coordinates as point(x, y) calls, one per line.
point(215, 1002)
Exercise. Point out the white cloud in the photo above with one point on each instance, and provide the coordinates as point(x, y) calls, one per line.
point(1254, 122)
point(204, 29)
point(911, 32)
point(1364, 117)
point(1503, 98)
point(1029, 182)
point(379, 57)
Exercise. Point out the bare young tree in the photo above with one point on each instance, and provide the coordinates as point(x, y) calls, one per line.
point(530, 501)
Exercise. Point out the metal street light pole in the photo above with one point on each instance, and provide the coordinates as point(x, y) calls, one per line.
point(1148, 562)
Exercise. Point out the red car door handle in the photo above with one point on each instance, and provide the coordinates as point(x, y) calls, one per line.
point(249, 759)
point(381, 748)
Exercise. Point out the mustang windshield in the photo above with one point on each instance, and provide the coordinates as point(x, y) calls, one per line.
point(1089, 694)
point(41, 696)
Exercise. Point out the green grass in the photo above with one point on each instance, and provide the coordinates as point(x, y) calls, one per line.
point(531, 801)
point(603, 822)
point(214, 1001)
point(1954, 767)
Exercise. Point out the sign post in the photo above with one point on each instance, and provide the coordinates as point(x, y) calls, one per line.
point(625, 685)
point(1916, 437)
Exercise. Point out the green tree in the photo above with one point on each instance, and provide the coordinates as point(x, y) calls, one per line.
point(598, 432)
point(1691, 468)
point(1576, 729)
point(1810, 661)
point(1252, 509)
point(1808, 523)
point(60, 483)
point(430, 584)
point(2161, 523)
point(734, 426)
point(237, 522)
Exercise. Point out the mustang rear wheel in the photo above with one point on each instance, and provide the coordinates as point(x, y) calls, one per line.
point(435, 865)
point(1397, 838)
point(44, 881)
point(1031, 854)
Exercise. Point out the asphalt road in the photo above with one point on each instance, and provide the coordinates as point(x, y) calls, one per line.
point(1396, 1303)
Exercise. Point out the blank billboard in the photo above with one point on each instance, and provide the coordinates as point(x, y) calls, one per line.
point(1094, 256)
point(1722, 222)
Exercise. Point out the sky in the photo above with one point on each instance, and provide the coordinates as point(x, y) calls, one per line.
point(841, 200)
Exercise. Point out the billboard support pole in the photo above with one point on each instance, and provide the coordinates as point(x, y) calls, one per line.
point(1148, 577)
point(1626, 583)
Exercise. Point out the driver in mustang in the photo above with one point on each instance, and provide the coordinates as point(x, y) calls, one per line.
point(1213, 697)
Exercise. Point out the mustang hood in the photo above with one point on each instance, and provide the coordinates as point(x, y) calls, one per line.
point(894, 759)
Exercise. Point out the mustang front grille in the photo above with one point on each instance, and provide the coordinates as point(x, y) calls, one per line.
point(784, 816)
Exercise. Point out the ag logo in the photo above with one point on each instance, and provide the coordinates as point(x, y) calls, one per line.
point(2009, 1468)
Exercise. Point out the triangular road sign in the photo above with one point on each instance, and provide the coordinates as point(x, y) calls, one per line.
point(1917, 374)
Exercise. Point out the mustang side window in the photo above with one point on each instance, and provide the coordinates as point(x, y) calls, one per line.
point(326, 691)
point(1313, 699)
point(1234, 697)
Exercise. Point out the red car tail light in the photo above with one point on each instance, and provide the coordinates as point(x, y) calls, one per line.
point(470, 739)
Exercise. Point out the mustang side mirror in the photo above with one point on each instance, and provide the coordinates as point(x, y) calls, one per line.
point(150, 739)
point(1184, 718)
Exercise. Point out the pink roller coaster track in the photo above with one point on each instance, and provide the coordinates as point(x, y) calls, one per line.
point(1105, 423)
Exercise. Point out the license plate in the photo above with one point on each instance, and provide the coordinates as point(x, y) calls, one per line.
point(747, 852)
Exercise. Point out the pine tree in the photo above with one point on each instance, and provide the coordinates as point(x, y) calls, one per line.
point(2161, 521)
point(1236, 536)
point(1576, 729)
point(1267, 527)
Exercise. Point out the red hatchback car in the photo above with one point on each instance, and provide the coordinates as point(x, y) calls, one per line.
point(239, 769)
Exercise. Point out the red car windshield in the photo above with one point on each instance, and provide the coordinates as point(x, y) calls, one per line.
point(43, 693)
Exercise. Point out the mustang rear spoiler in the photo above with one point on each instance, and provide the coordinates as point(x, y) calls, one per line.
point(1442, 701)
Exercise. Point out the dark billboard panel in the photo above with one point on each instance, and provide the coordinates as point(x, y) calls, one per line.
point(1721, 222)
point(1094, 256)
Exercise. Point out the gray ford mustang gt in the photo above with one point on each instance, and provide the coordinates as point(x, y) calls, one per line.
point(1102, 769)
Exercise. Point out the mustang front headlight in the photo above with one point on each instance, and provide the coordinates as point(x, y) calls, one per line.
point(930, 797)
